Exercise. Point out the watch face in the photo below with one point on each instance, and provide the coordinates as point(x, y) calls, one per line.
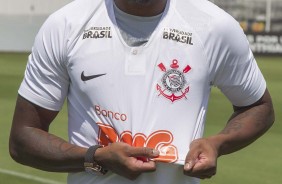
point(90, 165)
point(92, 171)
point(94, 168)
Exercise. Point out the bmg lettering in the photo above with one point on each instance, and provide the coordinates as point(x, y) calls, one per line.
point(110, 114)
point(160, 140)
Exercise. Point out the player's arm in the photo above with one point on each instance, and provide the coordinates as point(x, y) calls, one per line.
point(244, 127)
point(32, 145)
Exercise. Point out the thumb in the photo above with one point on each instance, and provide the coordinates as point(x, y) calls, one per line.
point(191, 160)
point(144, 152)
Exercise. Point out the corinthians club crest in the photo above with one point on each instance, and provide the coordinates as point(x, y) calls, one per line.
point(173, 84)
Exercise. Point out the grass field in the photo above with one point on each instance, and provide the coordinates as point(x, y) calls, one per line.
point(260, 163)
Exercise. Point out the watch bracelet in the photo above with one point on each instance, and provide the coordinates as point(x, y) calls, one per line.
point(90, 163)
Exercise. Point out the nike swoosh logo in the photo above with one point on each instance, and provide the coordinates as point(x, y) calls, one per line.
point(86, 78)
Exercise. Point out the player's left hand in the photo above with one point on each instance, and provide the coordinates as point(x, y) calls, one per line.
point(201, 161)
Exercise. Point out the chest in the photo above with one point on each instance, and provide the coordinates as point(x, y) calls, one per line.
point(101, 62)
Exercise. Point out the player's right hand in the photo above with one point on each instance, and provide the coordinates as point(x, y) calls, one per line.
point(122, 159)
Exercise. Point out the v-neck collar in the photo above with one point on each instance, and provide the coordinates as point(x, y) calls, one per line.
point(165, 17)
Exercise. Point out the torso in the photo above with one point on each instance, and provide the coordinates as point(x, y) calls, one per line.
point(156, 93)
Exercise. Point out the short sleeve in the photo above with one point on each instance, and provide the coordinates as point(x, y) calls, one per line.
point(233, 68)
point(46, 80)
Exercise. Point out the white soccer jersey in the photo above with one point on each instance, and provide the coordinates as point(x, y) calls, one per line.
point(155, 95)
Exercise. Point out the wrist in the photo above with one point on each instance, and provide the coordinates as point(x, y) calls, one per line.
point(218, 142)
point(90, 163)
point(99, 155)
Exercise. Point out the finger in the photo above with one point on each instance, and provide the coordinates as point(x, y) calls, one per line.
point(201, 175)
point(189, 165)
point(211, 171)
point(144, 152)
point(202, 171)
point(148, 166)
point(191, 160)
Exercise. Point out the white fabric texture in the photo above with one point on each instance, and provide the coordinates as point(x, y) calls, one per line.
point(153, 95)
